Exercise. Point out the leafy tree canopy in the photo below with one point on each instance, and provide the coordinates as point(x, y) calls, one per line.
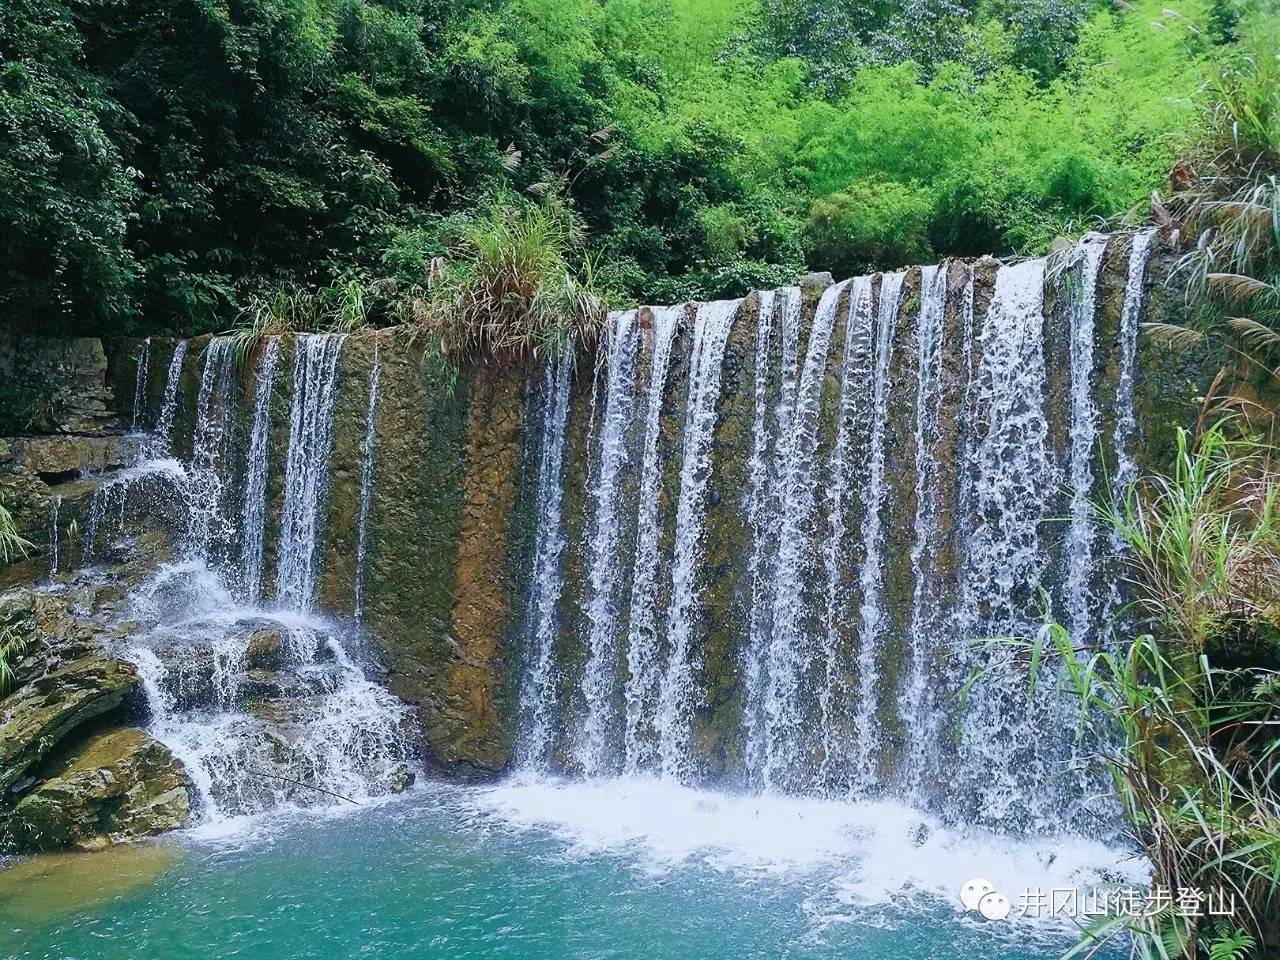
point(163, 162)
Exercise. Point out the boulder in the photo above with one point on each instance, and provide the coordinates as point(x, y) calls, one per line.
point(116, 785)
point(66, 454)
point(37, 716)
point(265, 650)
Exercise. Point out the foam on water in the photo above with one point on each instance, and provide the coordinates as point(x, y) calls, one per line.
point(873, 853)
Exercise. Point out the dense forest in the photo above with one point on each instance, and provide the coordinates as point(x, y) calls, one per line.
point(170, 163)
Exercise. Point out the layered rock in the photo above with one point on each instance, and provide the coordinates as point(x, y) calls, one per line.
point(69, 775)
point(115, 785)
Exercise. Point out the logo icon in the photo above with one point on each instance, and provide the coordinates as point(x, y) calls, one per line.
point(981, 895)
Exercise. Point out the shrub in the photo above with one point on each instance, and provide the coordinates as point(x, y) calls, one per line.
point(874, 224)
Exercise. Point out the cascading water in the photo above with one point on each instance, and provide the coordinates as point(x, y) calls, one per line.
point(643, 664)
point(162, 442)
point(595, 750)
point(257, 464)
point(925, 546)
point(306, 477)
point(676, 698)
point(1079, 547)
point(263, 707)
point(764, 503)
point(210, 525)
point(900, 495)
point(53, 533)
point(855, 378)
point(872, 628)
point(366, 475)
point(141, 361)
point(786, 730)
point(1014, 480)
point(538, 690)
point(1126, 469)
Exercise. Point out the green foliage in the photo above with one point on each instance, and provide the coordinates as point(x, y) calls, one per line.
point(160, 179)
point(509, 286)
point(873, 222)
point(12, 545)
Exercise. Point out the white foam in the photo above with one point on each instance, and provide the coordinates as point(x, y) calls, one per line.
point(872, 853)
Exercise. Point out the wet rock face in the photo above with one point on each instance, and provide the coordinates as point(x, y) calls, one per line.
point(70, 776)
point(114, 785)
point(60, 454)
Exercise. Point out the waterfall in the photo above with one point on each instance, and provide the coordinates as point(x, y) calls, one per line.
point(141, 360)
point(764, 507)
point(1014, 480)
point(162, 442)
point(643, 666)
point(1078, 586)
point(595, 750)
point(855, 380)
point(872, 624)
point(254, 522)
point(53, 532)
point(263, 707)
point(916, 708)
point(306, 479)
point(210, 529)
point(538, 690)
point(366, 475)
point(786, 729)
point(675, 701)
point(1126, 470)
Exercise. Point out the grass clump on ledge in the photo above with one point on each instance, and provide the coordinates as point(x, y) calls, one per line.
point(514, 283)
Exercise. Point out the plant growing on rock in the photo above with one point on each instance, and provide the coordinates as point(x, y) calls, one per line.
point(12, 544)
point(515, 282)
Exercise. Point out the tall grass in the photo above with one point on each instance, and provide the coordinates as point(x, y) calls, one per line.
point(1192, 714)
point(292, 308)
point(12, 544)
point(509, 285)
point(1230, 208)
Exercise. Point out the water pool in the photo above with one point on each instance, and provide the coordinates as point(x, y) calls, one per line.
point(534, 871)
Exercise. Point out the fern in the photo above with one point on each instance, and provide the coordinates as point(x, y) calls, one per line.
point(1235, 945)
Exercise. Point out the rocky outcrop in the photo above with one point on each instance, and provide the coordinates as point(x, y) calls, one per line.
point(56, 386)
point(69, 774)
point(114, 785)
point(64, 454)
point(37, 716)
